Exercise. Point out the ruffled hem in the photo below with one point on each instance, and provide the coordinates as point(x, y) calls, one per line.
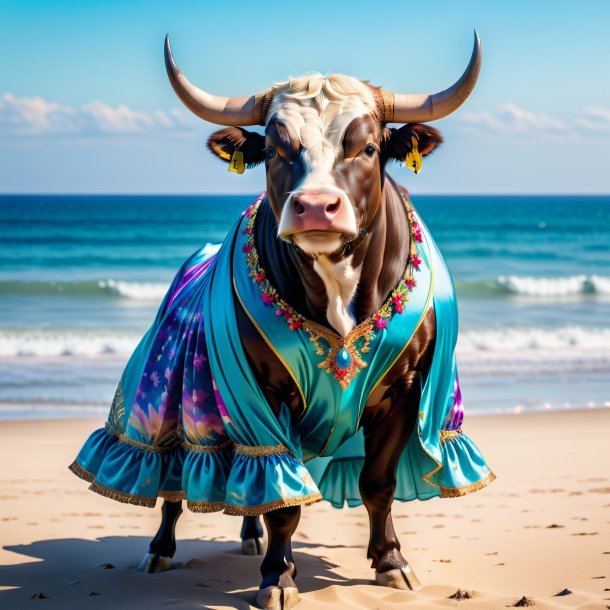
point(462, 471)
point(130, 472)
point(243, 481)
point(339, 482)
point(246, 481)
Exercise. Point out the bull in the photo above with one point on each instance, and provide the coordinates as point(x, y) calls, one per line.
point(322, 333)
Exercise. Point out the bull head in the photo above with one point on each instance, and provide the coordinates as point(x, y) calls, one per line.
point(325, 146)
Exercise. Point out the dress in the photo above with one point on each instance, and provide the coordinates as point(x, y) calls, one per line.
point(189, 421)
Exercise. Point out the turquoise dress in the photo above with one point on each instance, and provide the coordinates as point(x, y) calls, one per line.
point(190, 422)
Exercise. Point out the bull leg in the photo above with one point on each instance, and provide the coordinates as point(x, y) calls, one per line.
point(278, 590)
point(385, 439)
point(163, 545)
point(252, 536)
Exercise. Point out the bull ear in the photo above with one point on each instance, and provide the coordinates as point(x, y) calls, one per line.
point(399, 142)
point(225, 142)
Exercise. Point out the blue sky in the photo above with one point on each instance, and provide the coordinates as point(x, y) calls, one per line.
point(85, 105)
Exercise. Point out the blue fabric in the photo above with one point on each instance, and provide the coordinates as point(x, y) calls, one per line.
point(190, 421)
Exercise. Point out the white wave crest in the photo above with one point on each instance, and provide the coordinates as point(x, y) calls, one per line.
point(44, 344)
point(139, 291)
point(568, 341)
point(147, 291)
point(555, 286)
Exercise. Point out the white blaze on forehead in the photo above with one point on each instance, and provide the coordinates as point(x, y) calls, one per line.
point(317, 110)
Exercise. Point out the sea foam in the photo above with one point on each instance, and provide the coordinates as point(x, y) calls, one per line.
point(555, 286)
point(507, 343)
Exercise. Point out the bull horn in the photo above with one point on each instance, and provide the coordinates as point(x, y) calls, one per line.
point(416, 107)
point(231, 111)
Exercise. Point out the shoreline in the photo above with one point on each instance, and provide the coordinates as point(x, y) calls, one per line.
point(540, 528)
point(101, 411)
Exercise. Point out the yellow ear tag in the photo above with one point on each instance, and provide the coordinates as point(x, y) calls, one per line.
point(413, 158)
point(237, 164)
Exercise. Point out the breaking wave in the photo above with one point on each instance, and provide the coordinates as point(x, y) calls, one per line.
point(555, 286)
point(569, 342)
point(503, 286)
point(49, 344)
point(559, 342)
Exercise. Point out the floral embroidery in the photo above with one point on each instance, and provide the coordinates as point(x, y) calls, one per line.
point(342, 355)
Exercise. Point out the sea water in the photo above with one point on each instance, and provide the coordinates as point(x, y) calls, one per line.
point(81, 278)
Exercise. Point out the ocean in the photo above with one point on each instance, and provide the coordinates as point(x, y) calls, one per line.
point(81, 278)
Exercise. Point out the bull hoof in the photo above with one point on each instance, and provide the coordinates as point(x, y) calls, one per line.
point(399, 579)
point(252, 546)
point(152, 563)
point(277, 598)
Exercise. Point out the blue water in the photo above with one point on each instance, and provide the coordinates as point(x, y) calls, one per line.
point(81, 278)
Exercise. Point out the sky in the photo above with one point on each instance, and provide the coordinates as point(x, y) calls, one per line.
point(86, 107)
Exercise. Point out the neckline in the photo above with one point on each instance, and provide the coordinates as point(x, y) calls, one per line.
point(378, 320)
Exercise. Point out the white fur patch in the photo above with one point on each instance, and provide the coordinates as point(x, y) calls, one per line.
point(317, 110)
point(340, 280)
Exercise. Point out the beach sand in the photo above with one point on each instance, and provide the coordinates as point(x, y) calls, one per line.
point(541, 528)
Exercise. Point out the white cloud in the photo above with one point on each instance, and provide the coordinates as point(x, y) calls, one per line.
point(510, 118)
point(595, 119)
point(30, 117)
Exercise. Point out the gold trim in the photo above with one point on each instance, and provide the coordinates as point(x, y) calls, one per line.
point(205, 507)
point(266, 339)
point(254, 511)
point(172, 496)
point(111, 430)
point(155, 449)
point(419, 323)
point(121, 496)
point(297, 320)
point(448, 435)
point(80, 472)
point(207, 448)
point(456, 492)
point(262, 450)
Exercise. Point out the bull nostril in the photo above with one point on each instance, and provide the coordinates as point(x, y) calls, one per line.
point(298, 207)
point(331, 208)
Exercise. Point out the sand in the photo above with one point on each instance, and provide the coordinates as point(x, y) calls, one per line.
point(540, 529)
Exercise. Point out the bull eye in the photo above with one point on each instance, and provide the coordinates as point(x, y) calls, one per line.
point(270, 153)
point(370, 149)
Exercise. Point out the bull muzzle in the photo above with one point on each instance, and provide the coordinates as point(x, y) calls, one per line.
point(318, 215)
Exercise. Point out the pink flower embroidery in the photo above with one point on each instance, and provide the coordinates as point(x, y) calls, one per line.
point(268, 298)
point(260, 276)
point(247, 248)
point(380, 322)
point(416, 262)
point(410, 283)
point(295, 323)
